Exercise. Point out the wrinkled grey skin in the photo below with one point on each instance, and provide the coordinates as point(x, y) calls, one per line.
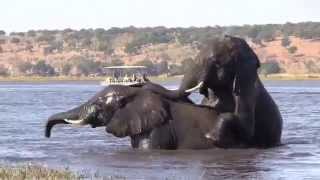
point(151, 120)
point(227, 66)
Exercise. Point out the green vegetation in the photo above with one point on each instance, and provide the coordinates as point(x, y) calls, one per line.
point(285, 42)
point(154, 68)
point(2, 33)
point(42, 69)
point(132, 40)
point(271, 67)
point(15, 40)
point(3, 71)
point(292, 49)
point(148, 36)
point(102, 40)
point(313, 67)
point(87, 66)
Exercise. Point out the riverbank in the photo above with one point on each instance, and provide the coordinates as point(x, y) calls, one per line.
point(35, 172)
point(41, 172)
point(284, 76)
point(42, 79)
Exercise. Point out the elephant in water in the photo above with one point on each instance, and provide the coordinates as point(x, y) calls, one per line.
point(225, 70)
point(150, 119)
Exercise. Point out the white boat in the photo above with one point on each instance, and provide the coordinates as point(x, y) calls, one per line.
point(124, 75)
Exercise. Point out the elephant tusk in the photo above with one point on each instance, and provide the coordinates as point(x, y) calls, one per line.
point(77, 122)
point(195, 88)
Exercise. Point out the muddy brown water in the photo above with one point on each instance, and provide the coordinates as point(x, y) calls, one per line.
point(24, 109)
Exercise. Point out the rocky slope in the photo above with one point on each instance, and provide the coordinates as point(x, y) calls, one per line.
point(20, 51)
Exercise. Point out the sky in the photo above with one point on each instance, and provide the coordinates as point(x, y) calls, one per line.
point(24, 15)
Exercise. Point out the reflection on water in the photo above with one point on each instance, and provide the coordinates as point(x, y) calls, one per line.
point(24, 109)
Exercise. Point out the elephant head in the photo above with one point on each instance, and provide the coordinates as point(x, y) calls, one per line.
point(125, 111)
point(223, 63)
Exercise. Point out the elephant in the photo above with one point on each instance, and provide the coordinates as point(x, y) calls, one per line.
point(151, 120)
point(225, 71)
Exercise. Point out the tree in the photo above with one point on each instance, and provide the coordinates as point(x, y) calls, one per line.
point(105, 46)
point(271, 67)
point(15, 40)
point(88, 66)
point(24, 67)
point(116, 62)
point(46, 38)
point(31, 33)
point(285, 42)
point(292, 49)
point(131, 48)
point(66, 69)
point(149, 64)
point(145, 62)
point(2, 33)
point(3, 71)
point(43, 69)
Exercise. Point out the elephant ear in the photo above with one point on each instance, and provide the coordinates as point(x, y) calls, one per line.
point(245, 87)
point(247, 63)
point(141, 114)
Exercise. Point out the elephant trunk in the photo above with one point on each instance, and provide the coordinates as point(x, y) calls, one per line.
point(70, 117)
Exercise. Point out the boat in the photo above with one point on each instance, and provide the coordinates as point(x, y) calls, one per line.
point(124, 75)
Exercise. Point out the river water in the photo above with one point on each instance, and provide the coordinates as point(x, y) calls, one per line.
point(24, 109)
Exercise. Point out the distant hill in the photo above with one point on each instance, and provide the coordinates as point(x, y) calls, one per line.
point(288, 48)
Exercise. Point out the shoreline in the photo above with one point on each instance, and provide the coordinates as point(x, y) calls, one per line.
point(42, 79)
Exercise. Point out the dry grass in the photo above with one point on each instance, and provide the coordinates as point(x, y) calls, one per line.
point(39, 173)
point(35, 172)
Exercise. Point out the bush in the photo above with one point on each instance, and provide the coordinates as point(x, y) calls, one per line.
point(24, 67)
point(43, 69)
point(141, 38)
point(88, 66)
point(292, 49)
point(31, 33)
point(115, 62)
point(312, 66)
point(105, 47)
point(149, 64)
point(285, 42)
point(269, 68)
point(46, 38)
point(3, 71)
point(66, 69)
point(15, 40)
